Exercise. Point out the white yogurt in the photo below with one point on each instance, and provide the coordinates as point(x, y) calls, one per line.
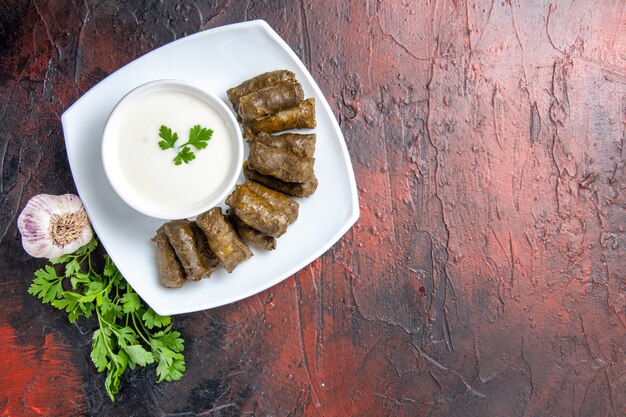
point(148, 172)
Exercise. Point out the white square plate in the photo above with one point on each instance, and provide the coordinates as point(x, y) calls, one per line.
point(215, 60)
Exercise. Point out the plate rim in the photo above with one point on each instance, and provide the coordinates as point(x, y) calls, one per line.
point(354, 213)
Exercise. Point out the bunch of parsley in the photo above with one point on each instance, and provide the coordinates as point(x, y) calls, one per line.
point(129, 334)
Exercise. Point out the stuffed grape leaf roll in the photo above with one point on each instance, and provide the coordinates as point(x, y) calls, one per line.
point(301, 116)
point(203, 247)
point(252, 235)
point(171, 272)
point(270, 100)
point(266, 210)
point(183, 239)
point(267, 79)
point(294, 189)
point(297, 143)
point(280, 163)
point(227, 246)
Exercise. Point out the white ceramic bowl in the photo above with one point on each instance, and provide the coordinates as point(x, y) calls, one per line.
point(118, 179)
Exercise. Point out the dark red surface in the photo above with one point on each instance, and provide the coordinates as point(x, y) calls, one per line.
point(487, 274)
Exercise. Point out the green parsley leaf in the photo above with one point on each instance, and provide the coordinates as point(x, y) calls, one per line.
point(71, 267)
point(168, 137)
point(170, 339)
point(152, 319)
point(112, 381)
point(186, 155)
point(100, 349)
point(94, 288)
point(46, 285)
point(79, 279)
point(68, 301)
point(88, 248)
point(109, 267)
point(125, 336)
point(104, 302)
point(131, 302)
point(139, 355)
point(171, 366)
point(122, 360)
point(198, 137)
point(63, 259)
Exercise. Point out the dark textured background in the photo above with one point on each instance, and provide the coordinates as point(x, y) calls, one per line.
point(487, 274)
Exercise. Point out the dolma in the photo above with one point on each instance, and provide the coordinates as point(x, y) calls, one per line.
point(183, 239)
point(280, 163)
point(267, 79)
point(270, 100)
point(266, 210)
point(297, 143)
point(227, 246)
point(300, 117)
point(204, 249)
point(171, 272)
point(252, 235)
point(295, 189)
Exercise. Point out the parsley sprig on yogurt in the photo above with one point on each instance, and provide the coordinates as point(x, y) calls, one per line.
point(198, 138)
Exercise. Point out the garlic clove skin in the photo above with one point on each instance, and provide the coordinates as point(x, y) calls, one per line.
point(54, 225)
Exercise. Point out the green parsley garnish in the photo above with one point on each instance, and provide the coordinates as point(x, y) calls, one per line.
point(198, 138)
point(168, 137)
point(185, 156)
point(129, 334)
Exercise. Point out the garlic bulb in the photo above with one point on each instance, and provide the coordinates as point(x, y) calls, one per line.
point(54, 225)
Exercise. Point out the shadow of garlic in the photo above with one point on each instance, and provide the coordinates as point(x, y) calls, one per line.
point(54, 225)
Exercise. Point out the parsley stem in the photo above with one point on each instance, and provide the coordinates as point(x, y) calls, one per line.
point(109, 324)
point(100, 322)
point(138, 330)
point(132, 316)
